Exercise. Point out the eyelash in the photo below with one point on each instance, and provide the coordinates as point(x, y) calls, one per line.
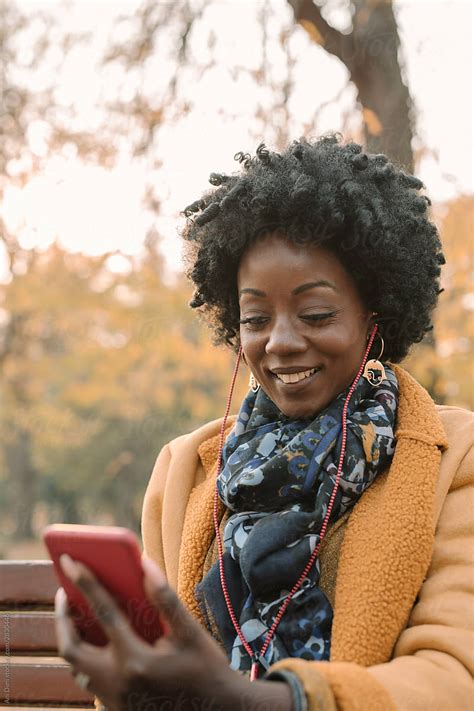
point(319, 317)
point(261, 320)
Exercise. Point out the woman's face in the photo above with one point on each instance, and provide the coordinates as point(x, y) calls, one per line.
point(303, 325)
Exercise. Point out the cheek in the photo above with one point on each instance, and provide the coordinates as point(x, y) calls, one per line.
point(253, 350)
point(340, 340)
point(251, 346)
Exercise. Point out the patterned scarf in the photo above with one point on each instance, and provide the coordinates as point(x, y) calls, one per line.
point(277, 477)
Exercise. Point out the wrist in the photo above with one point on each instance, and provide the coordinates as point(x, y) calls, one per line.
point(263, 695)
point(298, 696)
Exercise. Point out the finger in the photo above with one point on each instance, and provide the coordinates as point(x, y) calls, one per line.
point(83, 657)
point(106, 610)
point(182, 627)
point(70, 645)
point(69, 641)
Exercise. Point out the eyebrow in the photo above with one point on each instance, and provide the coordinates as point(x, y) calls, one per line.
point(322, 283)
point(254, 292)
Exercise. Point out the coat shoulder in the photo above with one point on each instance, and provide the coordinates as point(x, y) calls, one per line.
point(453, 417)
point(196, 437)
point(458, 459)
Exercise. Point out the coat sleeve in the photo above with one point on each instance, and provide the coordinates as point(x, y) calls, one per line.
point(152, 534)
point(433, 661)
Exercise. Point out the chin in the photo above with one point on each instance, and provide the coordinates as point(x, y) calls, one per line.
point(299, 412)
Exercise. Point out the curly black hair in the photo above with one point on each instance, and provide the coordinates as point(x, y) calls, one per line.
point(361, 206)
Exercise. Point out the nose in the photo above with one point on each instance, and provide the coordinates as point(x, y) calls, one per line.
point(285, 338)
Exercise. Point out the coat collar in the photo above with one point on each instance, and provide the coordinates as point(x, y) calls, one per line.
point(417, 418)
point(388, 542)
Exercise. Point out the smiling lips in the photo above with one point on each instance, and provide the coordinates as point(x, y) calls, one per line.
point(288, 378)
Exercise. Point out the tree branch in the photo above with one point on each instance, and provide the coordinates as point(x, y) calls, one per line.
point(309, 16)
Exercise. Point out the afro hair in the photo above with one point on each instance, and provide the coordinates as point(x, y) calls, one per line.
point(363, 207)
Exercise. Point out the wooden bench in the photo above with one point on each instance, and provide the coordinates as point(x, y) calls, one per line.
point(32, 675)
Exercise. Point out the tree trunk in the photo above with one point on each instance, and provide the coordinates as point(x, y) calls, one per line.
point(376, 72)
point(23, 481)
point(371, 54)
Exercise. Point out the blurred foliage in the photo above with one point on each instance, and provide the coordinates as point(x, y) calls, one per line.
point(102, 370)
point(448, 369)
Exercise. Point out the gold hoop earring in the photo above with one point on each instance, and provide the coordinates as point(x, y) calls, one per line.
point(253, 383)
point(374, 371)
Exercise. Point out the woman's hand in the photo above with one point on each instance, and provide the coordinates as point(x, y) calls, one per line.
point(185, 669)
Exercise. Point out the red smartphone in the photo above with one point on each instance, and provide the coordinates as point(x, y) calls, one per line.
point(113, 555)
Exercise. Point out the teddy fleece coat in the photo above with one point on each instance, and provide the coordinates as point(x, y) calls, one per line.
point(398, 569)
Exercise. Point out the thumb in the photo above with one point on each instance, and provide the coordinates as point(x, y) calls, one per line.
point(153, 574)
point(178, 622)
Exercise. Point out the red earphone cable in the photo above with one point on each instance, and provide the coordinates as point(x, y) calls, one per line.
point(255, 658)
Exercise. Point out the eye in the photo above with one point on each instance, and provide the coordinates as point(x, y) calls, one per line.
point(253, 322)
point(318, 318)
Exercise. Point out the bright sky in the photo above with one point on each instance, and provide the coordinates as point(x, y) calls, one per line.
point(96, 210)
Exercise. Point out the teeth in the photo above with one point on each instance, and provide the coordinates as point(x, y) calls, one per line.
point(295, 377)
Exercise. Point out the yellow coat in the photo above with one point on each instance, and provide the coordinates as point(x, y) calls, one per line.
point(399, 572)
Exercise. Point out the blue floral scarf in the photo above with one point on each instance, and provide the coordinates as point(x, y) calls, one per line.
point(277, 478)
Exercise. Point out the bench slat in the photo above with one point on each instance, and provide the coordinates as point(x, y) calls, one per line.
point(27, 582)
point(27, 632)
point(41, 682)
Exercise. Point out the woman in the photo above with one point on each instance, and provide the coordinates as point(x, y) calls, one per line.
point(329, 568)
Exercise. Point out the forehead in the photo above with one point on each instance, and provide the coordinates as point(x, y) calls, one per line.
point(274, 261)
